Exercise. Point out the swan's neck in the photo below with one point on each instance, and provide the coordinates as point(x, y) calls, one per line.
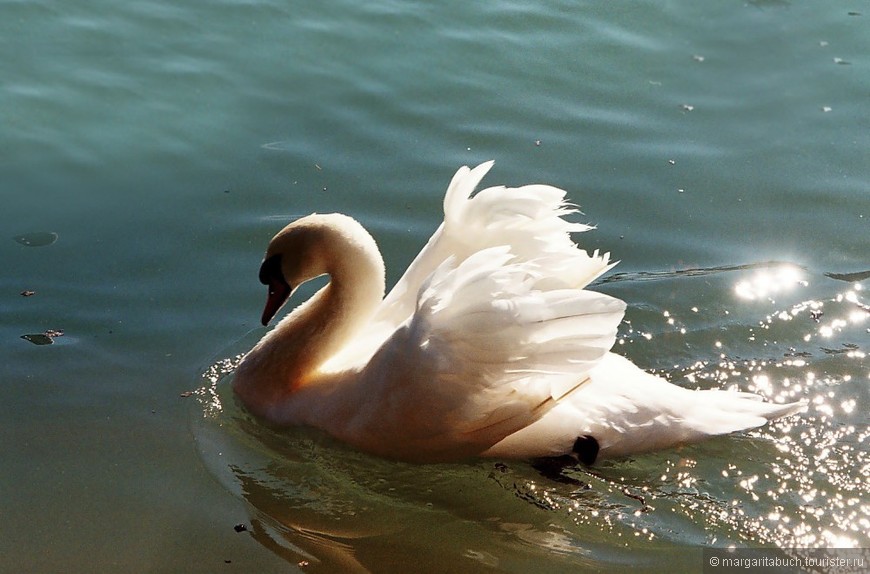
point(291, 355)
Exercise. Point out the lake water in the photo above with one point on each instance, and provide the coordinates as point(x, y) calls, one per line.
point(149, 150)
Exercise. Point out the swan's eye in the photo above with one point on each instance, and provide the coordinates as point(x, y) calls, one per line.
point(270, 270)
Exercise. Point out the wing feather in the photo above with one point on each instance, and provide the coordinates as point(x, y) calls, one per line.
point(486, 353)
point(529, 220)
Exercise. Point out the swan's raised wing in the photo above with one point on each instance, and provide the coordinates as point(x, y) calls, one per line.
point(493, 344)
point(528, 219)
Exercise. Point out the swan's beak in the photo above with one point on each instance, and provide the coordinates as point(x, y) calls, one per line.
point(279, 289)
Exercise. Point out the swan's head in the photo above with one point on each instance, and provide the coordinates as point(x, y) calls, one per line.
point(309, 247)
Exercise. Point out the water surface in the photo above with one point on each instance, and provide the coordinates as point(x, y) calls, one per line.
point(720, 149)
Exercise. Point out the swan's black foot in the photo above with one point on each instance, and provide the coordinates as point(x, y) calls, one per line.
point(585, 450)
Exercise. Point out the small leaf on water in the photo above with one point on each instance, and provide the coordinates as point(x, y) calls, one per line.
point(37, 239)
point(38, 339)
point(46, 338)
point(850, 277)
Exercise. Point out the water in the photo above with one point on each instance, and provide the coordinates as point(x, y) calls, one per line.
point(720, 148)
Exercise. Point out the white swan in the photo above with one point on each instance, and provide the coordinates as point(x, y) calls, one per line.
point(489, 345)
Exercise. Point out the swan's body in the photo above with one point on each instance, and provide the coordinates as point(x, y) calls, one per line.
point(489, 345)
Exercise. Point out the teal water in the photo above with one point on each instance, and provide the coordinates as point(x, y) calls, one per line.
point(164, 143)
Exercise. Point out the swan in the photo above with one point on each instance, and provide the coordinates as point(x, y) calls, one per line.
point(490, 345)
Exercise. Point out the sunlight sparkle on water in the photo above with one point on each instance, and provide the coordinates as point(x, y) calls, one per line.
point(768, 282)
point(208, 394)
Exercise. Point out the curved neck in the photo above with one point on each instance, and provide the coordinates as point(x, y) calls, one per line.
point(291, 354)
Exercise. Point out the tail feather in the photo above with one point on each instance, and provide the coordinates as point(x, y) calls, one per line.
point(628, 411)
point(720, 412)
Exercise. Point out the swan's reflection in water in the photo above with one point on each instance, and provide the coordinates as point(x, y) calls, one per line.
point(323, 505)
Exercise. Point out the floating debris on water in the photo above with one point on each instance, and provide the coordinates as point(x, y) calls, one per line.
point(850, 277)
point(45, 338)
point(38, 339)
point(37, 239)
